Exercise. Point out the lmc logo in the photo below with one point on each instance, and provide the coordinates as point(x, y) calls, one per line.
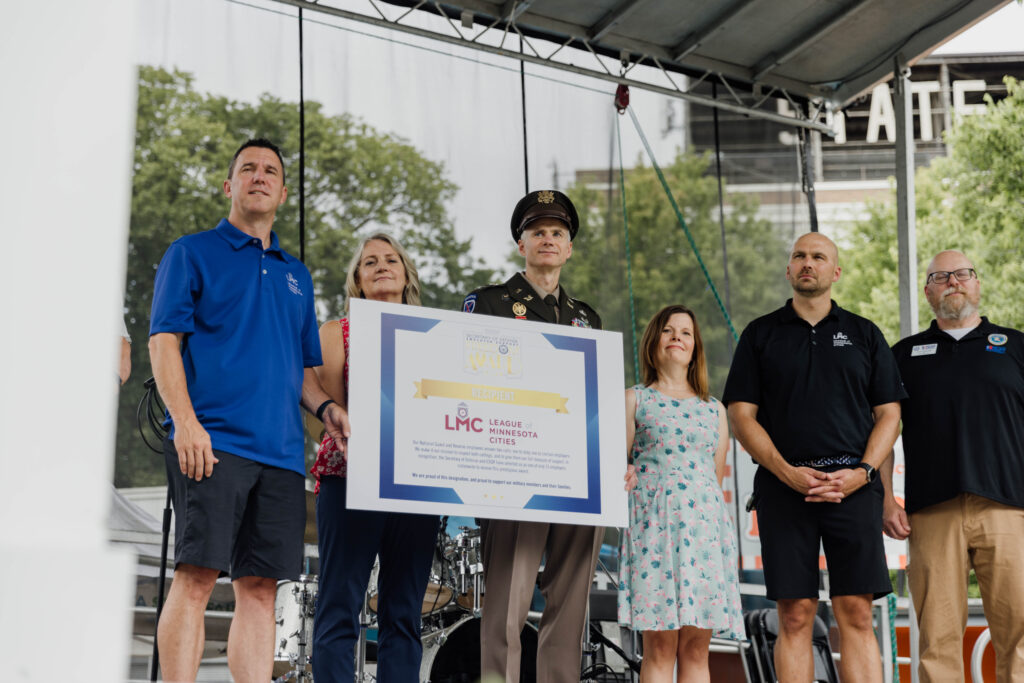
point(463, 422)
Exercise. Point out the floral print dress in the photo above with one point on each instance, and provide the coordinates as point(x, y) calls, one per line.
point(678, 557)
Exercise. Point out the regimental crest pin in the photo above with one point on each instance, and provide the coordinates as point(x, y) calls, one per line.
point(997, 339)
point(519, 308)
point(546, 197)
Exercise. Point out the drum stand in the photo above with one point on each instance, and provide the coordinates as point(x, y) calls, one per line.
point(469, 568)
point(307, 604)
point(364, 623)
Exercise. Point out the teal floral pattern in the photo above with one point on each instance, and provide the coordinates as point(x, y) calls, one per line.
point(678, 556)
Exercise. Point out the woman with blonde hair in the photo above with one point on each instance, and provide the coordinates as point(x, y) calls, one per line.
point(349, 539)
point(678, 579)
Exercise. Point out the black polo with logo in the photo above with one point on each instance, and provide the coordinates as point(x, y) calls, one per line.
point(963, 421)
point(814, 386)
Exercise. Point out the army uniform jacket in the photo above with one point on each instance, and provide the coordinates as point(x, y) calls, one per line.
point(517, 298)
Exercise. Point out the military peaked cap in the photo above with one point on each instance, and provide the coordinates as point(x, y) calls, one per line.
point(544, 204)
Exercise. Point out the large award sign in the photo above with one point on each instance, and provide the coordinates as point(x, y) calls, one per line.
point(474, 415)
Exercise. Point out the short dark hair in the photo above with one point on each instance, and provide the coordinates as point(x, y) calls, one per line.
point(257, 142)
point(697, 373)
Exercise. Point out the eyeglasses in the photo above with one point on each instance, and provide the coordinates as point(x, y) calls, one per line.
point(941, 277)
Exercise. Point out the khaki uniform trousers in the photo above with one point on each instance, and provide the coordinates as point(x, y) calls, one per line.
point(512, 554)
point(946, 541)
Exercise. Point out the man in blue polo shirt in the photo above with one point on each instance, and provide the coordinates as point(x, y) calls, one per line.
point(813, 396)
point(233, 342)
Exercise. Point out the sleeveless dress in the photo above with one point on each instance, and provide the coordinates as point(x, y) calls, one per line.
point(678, 557)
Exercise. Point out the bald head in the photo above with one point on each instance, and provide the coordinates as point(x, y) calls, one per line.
point(813, 265)
point(817, 239)
point(948, 260)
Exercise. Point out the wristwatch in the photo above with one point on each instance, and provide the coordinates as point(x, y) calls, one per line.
point(869, 470)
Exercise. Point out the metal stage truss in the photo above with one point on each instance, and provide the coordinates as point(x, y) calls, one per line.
point(817, 56)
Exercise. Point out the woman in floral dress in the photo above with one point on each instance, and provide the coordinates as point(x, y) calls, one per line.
point(678, 580)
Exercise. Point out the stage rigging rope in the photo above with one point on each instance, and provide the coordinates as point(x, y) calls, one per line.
point(682, 222)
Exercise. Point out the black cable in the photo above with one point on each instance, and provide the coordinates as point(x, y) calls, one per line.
point(600, 637)
point(522, 89)
point(807, 178)
point(302, 150)
point(728, 308)
point(154, 408)
point(599, 667)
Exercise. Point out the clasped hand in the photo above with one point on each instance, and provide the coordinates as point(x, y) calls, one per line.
point(826, 487)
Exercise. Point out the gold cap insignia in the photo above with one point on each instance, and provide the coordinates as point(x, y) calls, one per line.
point(545, 196)
point(518, 308)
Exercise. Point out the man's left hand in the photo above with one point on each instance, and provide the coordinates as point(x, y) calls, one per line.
point(845, 481)
point(336, 424)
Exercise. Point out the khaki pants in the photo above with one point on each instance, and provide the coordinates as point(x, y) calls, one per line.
point(512, 554)
point(946, 541)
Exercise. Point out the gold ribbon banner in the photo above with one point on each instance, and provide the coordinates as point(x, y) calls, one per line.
point(426, 388)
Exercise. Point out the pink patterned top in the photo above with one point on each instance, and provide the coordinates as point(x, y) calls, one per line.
point(330, 461)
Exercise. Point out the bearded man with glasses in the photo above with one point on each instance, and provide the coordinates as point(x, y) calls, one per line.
point(963, 445)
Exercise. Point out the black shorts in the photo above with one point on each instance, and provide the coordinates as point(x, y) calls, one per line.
point(792, 531)
point(246, 519)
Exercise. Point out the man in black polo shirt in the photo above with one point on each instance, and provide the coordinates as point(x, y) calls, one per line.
point(813, 394)
point(963, 446)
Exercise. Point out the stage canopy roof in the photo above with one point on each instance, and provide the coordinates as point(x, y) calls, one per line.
point(818, 51)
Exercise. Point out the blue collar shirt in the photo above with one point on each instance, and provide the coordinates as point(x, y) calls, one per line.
point(249, 329)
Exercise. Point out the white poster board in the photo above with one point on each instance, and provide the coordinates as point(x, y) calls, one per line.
point(474, 415)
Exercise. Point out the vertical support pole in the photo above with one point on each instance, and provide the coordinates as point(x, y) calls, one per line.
point(907, 243)
point(302, 147)
point(946, 93)
point(905, 204)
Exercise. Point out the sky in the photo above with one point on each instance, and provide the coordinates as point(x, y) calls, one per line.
point(457, 106)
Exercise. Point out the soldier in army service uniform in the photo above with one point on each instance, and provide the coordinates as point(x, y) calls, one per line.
point(543, 224)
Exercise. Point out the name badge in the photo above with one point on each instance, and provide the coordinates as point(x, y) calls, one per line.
point(924, 350)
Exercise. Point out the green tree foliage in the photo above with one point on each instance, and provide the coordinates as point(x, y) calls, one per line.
point(972, 200)
point(358, 180)
point(664, 267)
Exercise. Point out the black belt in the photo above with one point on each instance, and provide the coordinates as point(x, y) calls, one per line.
point(829, 460)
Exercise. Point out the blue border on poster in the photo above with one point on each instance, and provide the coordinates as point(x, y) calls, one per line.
point(391, 323)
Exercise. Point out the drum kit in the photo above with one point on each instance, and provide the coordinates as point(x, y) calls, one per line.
point(450, 617)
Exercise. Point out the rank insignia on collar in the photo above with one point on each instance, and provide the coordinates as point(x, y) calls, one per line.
point(528, 297)
point(997, 339)
point(518, 308)
point(546, 197)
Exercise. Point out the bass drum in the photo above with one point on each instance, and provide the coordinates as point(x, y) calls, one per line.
point(456, 658)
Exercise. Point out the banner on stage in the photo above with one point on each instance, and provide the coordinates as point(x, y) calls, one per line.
point(474, 415)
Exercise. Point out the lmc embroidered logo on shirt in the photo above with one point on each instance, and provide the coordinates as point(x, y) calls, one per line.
point(293, 284)
point(840, 339)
